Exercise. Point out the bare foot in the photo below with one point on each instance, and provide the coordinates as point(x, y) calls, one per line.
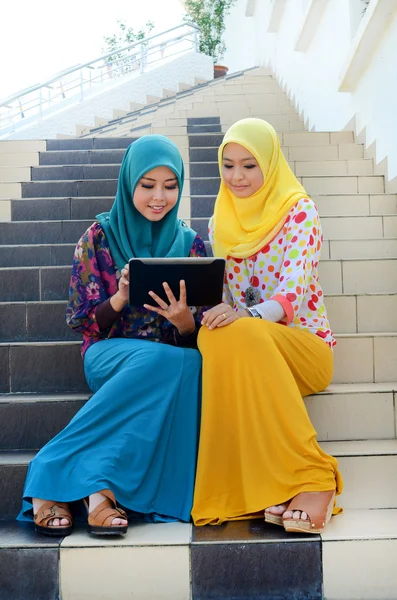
point(37, 502)
point(277, 510)
point(297, 515)
point(95, 500)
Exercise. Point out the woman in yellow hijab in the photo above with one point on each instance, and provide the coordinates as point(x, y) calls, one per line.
point(265, 347)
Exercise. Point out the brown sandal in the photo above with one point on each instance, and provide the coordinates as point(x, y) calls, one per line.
point(317, 505)
point(48, 511)
point(276, 519)
point(100, 519)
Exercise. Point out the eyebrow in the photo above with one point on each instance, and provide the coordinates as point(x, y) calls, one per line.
point(150, 179)
point(243, 159)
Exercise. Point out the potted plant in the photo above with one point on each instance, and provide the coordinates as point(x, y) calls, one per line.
point(209, 16)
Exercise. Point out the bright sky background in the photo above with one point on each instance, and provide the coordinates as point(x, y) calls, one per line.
point(42, 37)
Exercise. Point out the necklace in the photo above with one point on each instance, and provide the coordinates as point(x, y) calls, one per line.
point(252, 293)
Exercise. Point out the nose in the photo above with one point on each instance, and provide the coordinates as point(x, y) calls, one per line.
point(158, 193)
point(238, 174)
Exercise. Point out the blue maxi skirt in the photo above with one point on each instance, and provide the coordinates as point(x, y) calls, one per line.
point(137, 435)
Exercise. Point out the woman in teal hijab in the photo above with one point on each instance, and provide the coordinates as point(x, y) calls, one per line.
point(134, 443)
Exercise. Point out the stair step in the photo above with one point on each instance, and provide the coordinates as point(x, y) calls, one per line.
point(342, 413)
point(215, 562)
point(28, 421)
point(47, 367)
point(35, 255)
point(59, 209)
point(75, 172)
point(35, 322)
point(47, 189)
point(91, 143)
point(374, 276)
point(81, 157)
point(43, 232)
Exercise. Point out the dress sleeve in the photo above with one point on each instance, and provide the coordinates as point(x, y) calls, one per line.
point(86, 290)
point(301, 256)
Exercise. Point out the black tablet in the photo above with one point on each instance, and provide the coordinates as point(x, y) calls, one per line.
point(203, 277)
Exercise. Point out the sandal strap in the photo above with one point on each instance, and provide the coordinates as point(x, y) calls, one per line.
point(314, 504)
point(52, 510)
point(104, 513)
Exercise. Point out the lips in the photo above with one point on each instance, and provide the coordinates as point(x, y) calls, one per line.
point(157, 209)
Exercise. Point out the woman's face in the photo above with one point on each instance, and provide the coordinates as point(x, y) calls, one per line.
point(240, 171)
point(156, 193)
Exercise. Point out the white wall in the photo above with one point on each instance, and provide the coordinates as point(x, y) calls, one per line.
point(241, 50)
point(313, 77)
point(181, 70)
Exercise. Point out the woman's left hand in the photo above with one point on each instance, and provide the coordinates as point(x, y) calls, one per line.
point(221, 315)
point(176, 312)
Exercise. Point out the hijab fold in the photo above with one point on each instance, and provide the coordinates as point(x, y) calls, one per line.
point(243, 226)
point(128, 232)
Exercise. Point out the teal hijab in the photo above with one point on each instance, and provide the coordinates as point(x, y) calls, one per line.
point(130, 234)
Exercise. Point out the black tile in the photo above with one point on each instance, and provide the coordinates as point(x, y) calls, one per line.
point(249, 531)
point(30, 233)
point(103, 157)
point(202, 206)
point(72, 144)
point(29, 574)
point(29, 425)
point(97, 188)
point(200, 226)
point(20, 534)
point(88, 208)
point(204, 129)
point(204, 187)
point(13, 322)
point(4, 371)
point(47, 369)
point(48, 189)
point(54, 284)
point(12, 477)
point(201, 141)
point(203, 121)
point(19, 284)
point(254, 571)
point(47, 322)
point(203, 154)
point(109, 143)
point(101, 171)
point(40, 210)
point(65, 157)
point(25, 256)
point(60, 173)
point(62, 254)
point(204, 169)
point(71, 231)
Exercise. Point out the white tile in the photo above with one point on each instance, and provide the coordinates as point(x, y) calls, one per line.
point(360, 524)
point(341, 311)
point(362, 448)
point(384, 204)
point(353, 360)
point(349, 151)
point(143, 534)
point(331, 185)
point(359, 249)
point(390, 226)
point(147, 573)
point(342, 205)
point(322, 168)
point(371, 185)
point(350, 228)
point(385, 350)
point(342, 137)
point(331, 276)
point(352, 416)
point(313, 153)
point(370, 276)
point(5, 211)
point(377, 313)
point(10, 146)
point(10, 190)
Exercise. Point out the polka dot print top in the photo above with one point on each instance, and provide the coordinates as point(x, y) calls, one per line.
point(285, 270)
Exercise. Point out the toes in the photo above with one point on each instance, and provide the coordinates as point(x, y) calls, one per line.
point(118, 522)
point(276, 510)
point(288, 514)
point(64, 522)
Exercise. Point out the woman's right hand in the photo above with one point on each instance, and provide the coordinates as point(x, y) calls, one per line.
point(120, 299)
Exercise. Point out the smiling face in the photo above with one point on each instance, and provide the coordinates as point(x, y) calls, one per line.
point(156, 193)
point(240, 171)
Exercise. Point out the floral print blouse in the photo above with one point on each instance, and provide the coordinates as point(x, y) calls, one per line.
point(95, 278)
point(285, 270)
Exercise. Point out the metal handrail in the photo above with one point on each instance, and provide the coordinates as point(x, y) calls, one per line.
point(14, 109)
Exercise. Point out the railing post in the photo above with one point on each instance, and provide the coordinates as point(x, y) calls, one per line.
point(41, 103)
point(81, 86)
point(195, 40)
point(142, 58)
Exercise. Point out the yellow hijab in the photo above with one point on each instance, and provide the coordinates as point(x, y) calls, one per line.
point(242, 226)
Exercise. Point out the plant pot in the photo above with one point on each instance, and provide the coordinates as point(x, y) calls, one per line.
point(220, 71)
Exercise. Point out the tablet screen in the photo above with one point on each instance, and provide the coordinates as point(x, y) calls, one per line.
point(203, 276)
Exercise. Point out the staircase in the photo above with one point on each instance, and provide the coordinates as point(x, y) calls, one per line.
point(50, 193)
